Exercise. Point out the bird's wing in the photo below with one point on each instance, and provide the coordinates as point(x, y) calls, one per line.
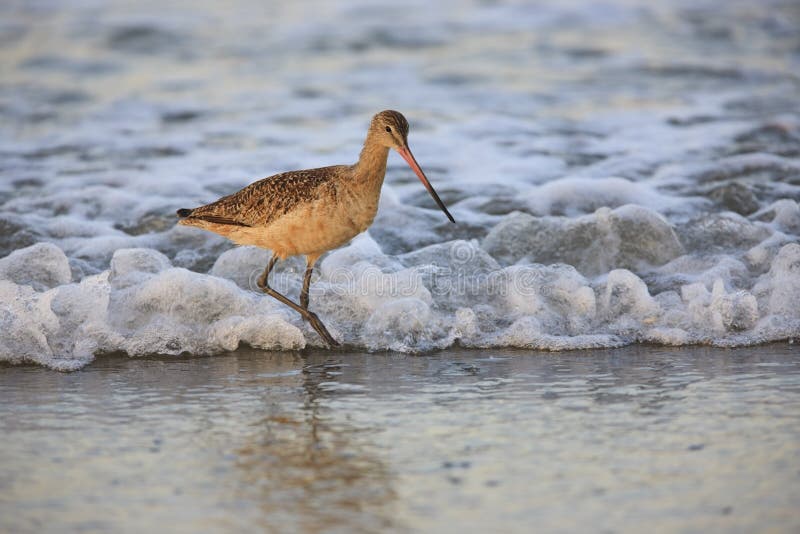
point(219, 220)
point(263, 201)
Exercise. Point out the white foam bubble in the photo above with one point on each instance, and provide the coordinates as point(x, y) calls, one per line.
point(141, 306)
point(40, 266)
point(779, 289)
point(25, 321)
point(629, 236)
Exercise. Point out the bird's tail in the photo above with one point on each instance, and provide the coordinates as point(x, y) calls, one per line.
point(184, 212)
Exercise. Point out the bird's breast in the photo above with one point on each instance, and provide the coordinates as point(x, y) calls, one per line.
point(361, 206)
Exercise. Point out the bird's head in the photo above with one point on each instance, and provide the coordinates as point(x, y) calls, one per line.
point(390, 128)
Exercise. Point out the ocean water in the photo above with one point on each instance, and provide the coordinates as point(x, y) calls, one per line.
point(621, 172)
point(690, 439)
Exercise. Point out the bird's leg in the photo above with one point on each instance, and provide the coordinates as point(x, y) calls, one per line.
point(306, 285)
point(311, 317)
point(263, 280)
point(311, 260)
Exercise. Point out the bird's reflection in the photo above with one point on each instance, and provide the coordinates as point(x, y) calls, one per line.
point(309, 468)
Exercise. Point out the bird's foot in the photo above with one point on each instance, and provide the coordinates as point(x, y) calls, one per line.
point(321, 330)
point(261, 283)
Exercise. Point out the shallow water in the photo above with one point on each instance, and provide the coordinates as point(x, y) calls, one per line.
point(621, 172)
point(680, 440)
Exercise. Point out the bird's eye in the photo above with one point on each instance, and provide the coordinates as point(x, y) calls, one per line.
point(388, 129)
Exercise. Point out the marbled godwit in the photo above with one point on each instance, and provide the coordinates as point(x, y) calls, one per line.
point(312, 211)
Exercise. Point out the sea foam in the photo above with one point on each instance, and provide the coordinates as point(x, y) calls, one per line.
point(452, 294)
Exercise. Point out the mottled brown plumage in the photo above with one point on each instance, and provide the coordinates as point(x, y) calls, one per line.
point(311, 211)
point(263, 201)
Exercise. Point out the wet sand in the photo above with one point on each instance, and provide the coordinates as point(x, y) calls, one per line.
point(678, 439)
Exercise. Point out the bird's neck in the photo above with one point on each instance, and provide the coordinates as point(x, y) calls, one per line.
point(371, 166)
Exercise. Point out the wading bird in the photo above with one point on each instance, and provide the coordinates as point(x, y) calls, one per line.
point(312, 211)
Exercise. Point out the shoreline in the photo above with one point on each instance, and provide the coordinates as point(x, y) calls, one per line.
point(316, 351)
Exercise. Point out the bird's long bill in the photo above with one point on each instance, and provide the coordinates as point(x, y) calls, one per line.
point(409, 157)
